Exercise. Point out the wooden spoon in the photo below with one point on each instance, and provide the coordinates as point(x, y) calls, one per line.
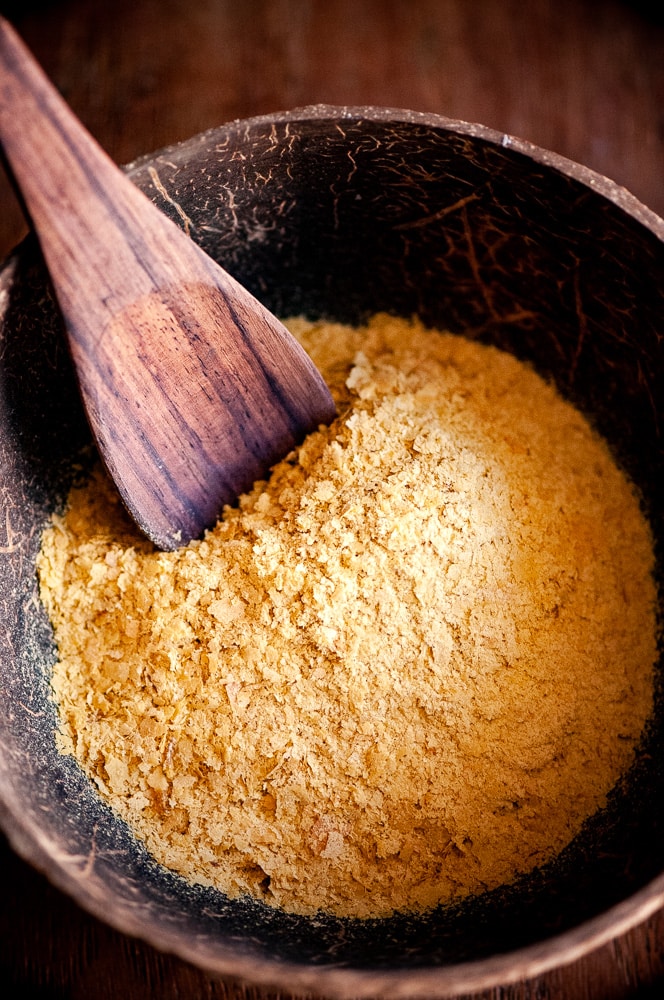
point(193, 389)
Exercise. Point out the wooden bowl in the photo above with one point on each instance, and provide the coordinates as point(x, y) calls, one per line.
point(340, 212)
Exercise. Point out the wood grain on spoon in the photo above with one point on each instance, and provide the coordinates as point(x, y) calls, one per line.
point(193, 390)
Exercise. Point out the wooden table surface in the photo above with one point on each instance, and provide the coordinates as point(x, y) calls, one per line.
point(582, 77)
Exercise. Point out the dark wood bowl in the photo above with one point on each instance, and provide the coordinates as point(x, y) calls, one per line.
point(340, 212)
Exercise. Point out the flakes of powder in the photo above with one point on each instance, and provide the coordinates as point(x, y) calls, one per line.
point(404, 670)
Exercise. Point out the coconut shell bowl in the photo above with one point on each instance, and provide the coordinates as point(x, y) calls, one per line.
point(341, 213)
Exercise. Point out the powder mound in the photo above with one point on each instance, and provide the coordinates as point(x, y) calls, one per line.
point(404, 670)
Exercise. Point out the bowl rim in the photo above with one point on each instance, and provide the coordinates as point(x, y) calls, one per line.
point(336, 980)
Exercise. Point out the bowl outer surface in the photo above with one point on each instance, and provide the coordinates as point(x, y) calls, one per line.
point(340, 212)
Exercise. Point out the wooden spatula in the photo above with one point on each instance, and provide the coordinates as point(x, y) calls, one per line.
point(192, 388)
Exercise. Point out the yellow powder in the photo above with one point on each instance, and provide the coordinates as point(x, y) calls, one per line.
point(405, 670)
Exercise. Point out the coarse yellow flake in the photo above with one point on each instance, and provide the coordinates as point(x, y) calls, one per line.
point(404, 670)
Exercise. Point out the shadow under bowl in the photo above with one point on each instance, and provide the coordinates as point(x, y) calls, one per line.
point(340, 213)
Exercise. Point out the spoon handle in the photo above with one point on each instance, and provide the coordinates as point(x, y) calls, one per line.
point(192, 388)
point(70, 188)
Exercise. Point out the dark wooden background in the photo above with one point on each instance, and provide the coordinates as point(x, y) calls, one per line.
point(582, 77)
